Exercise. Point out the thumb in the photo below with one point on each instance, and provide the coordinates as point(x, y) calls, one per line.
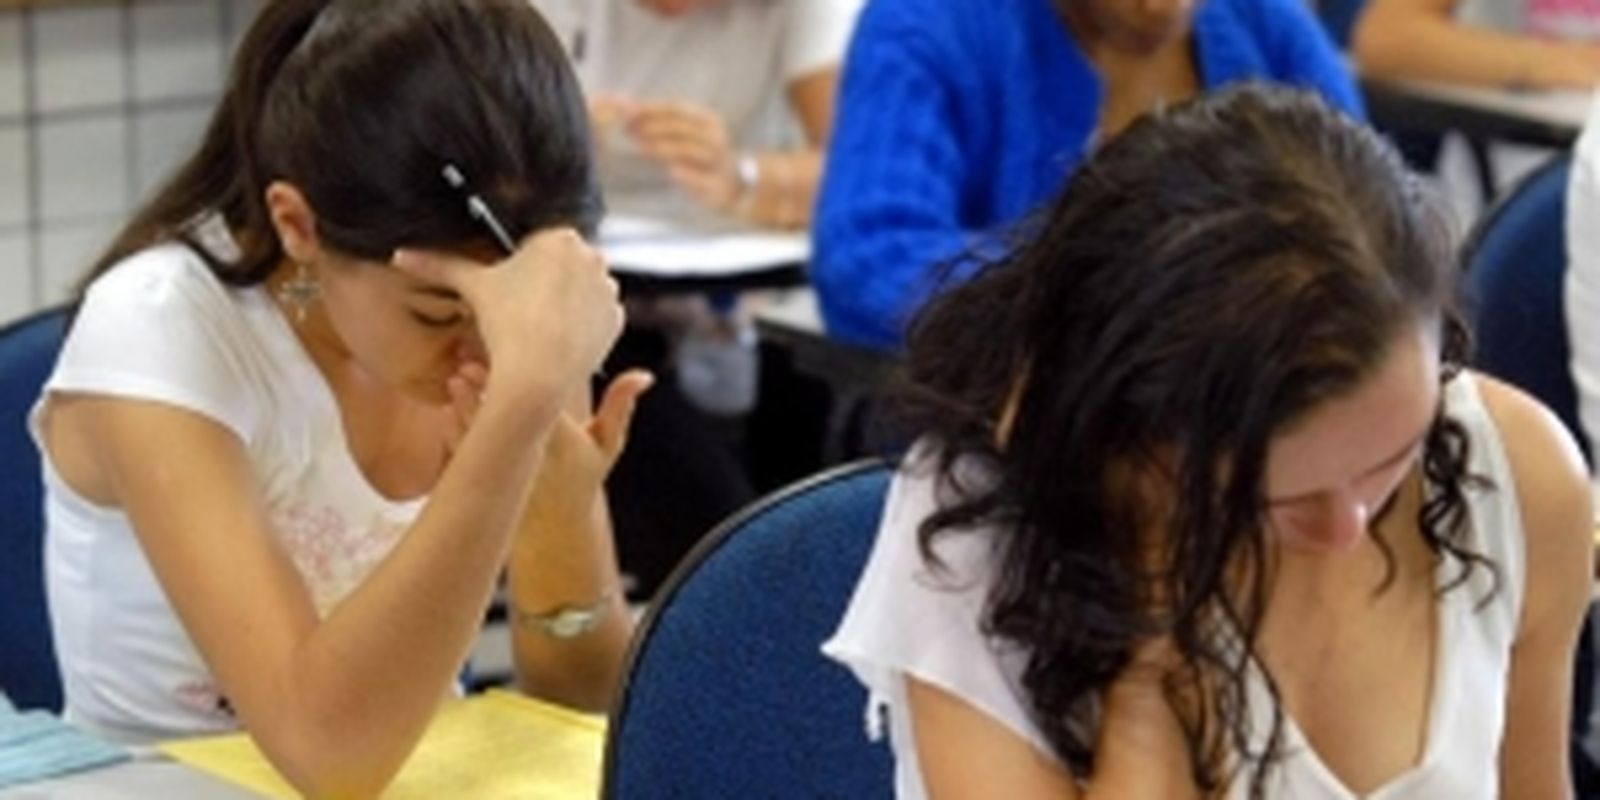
point(609, 427)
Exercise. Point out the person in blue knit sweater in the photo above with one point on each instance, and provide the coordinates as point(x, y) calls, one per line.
point(957, 117)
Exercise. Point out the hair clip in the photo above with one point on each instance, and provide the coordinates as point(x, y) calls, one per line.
point(478, 209)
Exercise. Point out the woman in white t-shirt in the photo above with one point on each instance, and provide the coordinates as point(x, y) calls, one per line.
point(332, 381)
point(729, 102)
point(1204, 504)
point(1519, 44)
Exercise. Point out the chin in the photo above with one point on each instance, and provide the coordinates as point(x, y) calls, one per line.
point(1315, 545)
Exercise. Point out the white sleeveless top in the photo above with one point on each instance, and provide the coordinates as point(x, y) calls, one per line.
point(904, 619)
point(160, 327)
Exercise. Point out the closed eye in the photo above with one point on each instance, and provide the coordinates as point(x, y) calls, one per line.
point(445, 321)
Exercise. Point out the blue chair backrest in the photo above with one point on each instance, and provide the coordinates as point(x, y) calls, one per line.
point(1516, 263)
point(28, 673)
point(726, 693)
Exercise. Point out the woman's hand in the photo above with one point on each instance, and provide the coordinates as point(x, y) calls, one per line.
point(581, 452)
point(548, 314)
point(693, 144)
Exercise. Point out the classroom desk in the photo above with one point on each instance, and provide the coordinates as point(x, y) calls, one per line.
point(496, 744)
point(651, 252)
point(149, 777)
point(1544, 118)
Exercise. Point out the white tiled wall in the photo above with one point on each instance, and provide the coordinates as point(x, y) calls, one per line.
point(14, 181)
point(11, 100)
point(99, 101)
point(78, 57)
point(16, 278)
point(64, 252)
point(177, 47)
point(83, 168)
point(162, 139)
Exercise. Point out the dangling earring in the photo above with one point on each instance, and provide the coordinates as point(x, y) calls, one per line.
point(300, 292)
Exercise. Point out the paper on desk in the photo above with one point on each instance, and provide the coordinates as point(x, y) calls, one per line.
point(488, 746)
point(660, 248)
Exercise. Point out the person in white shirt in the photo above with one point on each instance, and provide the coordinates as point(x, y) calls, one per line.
point(1205, 505)
point(331, 383)
point(725, 103)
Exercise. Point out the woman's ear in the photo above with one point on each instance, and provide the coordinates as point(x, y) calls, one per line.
point(294, 221)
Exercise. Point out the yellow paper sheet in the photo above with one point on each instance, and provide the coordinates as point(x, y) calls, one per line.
point(489, 746)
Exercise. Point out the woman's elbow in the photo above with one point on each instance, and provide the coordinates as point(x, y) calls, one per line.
point(335, 764)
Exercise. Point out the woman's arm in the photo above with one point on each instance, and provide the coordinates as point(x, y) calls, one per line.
point(1140, 753)
point(1421, 39)
point(564, 556)
point(772, 188)
point(1558, 522)
point(338, 703)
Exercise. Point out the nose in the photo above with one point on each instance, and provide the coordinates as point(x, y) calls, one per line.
point(1334, 518)
point(470, 348)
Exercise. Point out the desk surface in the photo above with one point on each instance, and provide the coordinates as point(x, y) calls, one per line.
point(1550, 118)
point(664, 242)
point(142, 779)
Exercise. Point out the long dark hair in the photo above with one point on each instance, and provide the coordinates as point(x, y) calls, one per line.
point(1205, 280)
point(359, 104)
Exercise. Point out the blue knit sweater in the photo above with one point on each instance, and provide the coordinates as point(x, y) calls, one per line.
point(957, 117)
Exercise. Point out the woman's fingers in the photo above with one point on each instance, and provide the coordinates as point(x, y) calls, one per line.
point(609, 427)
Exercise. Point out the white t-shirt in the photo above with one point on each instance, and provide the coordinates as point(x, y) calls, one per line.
point(736, 58)
point(906, 619)
point(160, 327)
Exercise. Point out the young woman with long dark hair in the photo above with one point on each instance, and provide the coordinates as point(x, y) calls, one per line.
point(328, 384)
point(1205, 503)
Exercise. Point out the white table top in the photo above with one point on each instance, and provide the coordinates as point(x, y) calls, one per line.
point(141, 779)
point(1566, 108)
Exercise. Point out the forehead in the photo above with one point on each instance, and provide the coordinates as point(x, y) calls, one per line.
point(1347, 437)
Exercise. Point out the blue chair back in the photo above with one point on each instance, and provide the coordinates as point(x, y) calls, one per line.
point(1516, 263)
point(726, 693)
point(28, 672)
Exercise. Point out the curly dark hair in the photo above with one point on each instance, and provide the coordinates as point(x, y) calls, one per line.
point(1203, 282)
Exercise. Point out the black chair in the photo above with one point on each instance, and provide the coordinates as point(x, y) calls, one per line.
point(726, 692)
point(28, 672)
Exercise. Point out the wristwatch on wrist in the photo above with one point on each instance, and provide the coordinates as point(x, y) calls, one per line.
point(564, 622)
point(747, 172)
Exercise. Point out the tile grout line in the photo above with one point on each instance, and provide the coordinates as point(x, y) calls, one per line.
point(34, 151)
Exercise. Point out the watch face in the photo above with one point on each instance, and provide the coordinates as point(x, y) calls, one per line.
point(571, 622)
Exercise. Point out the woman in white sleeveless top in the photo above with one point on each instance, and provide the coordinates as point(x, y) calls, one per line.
point(1205, 506)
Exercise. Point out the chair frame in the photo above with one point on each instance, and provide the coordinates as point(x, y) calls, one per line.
point(685, 571)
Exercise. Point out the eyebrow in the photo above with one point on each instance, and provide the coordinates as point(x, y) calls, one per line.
point(1378, 467)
